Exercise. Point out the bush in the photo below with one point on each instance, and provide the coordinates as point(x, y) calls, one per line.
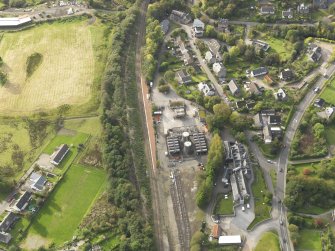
point(164, 88)
point(33, 61)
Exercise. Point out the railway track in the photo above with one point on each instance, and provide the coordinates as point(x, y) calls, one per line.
point(180, 211)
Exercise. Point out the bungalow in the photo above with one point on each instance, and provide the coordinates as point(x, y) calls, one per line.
point(261, 71)
point(267, 10)
point(8, 222)
point(216, 231)
point(260, 44)
point(219, 70)
point(205, 89)
point(38, 181)
point(286, 75)
point(165, 25)
point(58, 156)
point(5, 237)
point(252, 88)
point(23, 202)
point(180, 17)
point(223, 25)
point(183, 77)
point(280, 95)
point(235, 91)
point(314, 52)
point(198, 28)
point(303, 8)
point(210, 59)
point(319, 102)
point(287, 14)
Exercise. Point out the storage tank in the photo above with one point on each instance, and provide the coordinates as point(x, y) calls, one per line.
point(185, 136)
point(187, 147)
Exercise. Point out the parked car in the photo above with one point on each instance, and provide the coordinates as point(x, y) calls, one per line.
point(243, 209)
point(248, 205)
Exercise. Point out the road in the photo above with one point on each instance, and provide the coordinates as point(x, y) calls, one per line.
point(204, 65)
point(248, 23)
point(284, 154)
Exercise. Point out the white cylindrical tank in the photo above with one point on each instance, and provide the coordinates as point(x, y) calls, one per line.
point(187, 147)
point(185, 136)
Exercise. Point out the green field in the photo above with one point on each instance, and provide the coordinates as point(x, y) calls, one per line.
point(329, 93)
point(268, 242)
point(224, 206)
point(309, 240)
point(262, 210)
point(330, 134)
point(72, 63)
point(65, 207)
point(299, 168)
point(85, 125)
point(281, 46)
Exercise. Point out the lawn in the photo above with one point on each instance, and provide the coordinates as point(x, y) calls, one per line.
point(309, 240)
point(85, 125)
point(65, 207)
point(281, 46)
point(299, 168)
point(72, 62)
point(262, 209)
point(330, 134)
point(329, 93)
point(266, 150)
point(268, 242)
point(224, 206)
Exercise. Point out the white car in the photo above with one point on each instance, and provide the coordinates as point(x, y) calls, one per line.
point(248, 206)
point(243, 209)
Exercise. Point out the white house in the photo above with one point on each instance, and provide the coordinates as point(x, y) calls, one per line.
point(205, 89)
point(219, 70)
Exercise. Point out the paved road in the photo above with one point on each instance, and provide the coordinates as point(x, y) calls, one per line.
point(284, 155)
point(204, 65)
point(267, 24)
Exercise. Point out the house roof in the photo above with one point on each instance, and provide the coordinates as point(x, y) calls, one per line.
point(214, 46)
point(24, 199)
point(222, 23)
point(5, 237)
point(216, 231)
point(184, 76)
point(230, 239)
point(287, 13)
point(197, 23)
point(14, 21)
point(7, 222)
point(286, 74)
point(165, 25)
point(63, 149)
point(39, 184)
point(280, 94)
point(267, 9)
point(209, 55)
point(217, 67)
point(259, 71)
point(319, 102)
point(274, 119)
point(233, 86)
point(253, 88)
point(203, 87)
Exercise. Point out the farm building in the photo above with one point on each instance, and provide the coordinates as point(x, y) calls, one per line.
point(14, 21)
point(59, 155)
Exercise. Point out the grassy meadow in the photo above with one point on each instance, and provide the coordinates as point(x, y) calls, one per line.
point(268, 242)
point(66, 206)
point(71, 63)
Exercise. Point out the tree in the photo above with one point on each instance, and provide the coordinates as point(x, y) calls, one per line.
point(272, 59)
point(240, 122)
point(318, 223)
point(234, 51)
point(222, 113)
point(210, 31)
point(169, 75)
point(319, 130)
point(225, 58)
point(306, 171)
